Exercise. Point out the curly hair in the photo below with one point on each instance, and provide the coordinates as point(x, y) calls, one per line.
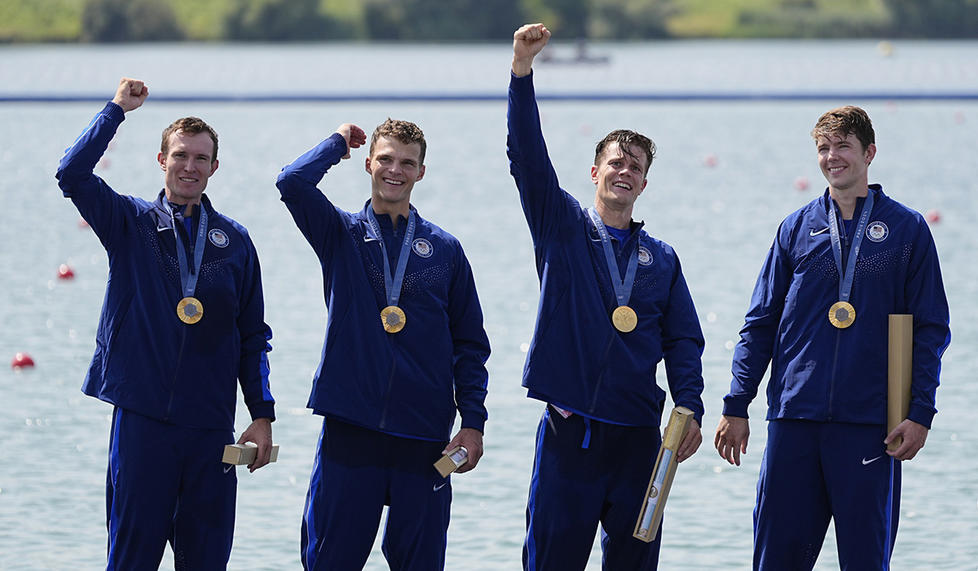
point(843, 121)
point(403, 131)
point(191, 126)
point(627, 139)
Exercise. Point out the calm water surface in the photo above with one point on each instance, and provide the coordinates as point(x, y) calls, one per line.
point(721, 220)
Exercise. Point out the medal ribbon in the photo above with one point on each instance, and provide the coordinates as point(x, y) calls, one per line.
point(393, 284)
point(623, 287)
point(188, 276)
point(846, 277)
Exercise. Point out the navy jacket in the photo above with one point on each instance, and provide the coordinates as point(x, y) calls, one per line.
point(408, 383)
point(578, 360)
point(146, 360)
point(822, 373)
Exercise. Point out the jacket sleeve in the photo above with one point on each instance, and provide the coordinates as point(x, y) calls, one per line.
point(545, 204)
point(931, 324)
point(253, 369)
point(470, 346)
point(682, 345)
point(100, 206)
point(316, 217)
point(759, 334)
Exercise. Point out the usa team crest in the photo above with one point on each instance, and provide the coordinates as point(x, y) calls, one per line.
point(877, 231)
point(422, 248)
point(644, 256)
point(219, 238)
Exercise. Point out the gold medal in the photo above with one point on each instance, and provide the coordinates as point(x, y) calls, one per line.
point(393, 318)
point(190, 310)
point(842, 314)
point(624, 318)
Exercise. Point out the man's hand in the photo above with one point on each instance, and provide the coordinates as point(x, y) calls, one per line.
point(528, 41)
point(731, 438)
point(691, 442)
point(471, 439)
point(260, 433)
point(914, 436)
point(130, 94)
point(354, 136)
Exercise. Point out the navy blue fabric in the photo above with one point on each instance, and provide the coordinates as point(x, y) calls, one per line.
point(356, 473)
point(410, 383)
point(577, 359)
point(574, 488)
point(167, 483)
point(814, 471)
point(146, 360)
point(819, 372)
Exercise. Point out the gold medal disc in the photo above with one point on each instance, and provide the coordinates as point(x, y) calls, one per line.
point(842, 314)
point(624, 318)
point(393, 318)
point(190, 310)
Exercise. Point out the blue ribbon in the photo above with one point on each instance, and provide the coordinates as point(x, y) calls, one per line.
point(846, 276)
point(393, 284)
point(623, 287)
point(188, 275)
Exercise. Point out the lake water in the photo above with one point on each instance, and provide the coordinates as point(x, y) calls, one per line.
point(721, 220)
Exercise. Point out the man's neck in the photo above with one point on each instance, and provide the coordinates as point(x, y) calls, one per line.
point(616, 218)
point(394, 210)
point(847, 198)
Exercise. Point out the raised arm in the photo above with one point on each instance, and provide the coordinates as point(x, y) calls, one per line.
point(298, 184)
point(98, 204)
point(528, 41)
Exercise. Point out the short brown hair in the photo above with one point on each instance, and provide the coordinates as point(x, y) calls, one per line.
point(625, 140)
point(191, 126)
point(843, 121)
point(403, 131)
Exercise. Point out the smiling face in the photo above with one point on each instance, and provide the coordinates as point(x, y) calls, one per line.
point(394, 167)
point(188, 163)
point(844, 161)
point(619, 176)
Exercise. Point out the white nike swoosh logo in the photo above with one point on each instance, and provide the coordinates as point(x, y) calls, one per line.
point(814, 233)
point(228, 468)
point(437, 487)
point(870, 461)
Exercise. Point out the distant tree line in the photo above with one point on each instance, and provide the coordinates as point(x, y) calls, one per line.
point(493, 20)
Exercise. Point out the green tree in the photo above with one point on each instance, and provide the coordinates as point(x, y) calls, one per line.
point(630, 19)
point(281, 20)
point(129, 21)
point(458, 20)
point(934, 18)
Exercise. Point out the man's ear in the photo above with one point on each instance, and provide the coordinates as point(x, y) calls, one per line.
point(161, 158)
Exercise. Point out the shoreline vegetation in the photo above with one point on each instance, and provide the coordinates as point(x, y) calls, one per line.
point(114, 21)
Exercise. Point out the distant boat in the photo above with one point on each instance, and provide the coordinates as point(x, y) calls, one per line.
point(581, 56)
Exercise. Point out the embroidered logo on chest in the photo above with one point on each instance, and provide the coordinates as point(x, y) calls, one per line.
point(877, 231)
point(422, 248)
point(219, 238)
point(644, 256)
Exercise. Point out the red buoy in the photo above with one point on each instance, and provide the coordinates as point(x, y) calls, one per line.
point(65, 272)
point(21, 360)
point(933, 216)
point(801, 183)
point(710, 160)
point(83, 224)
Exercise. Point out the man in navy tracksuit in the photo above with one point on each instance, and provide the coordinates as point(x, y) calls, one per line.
point(405, 348)
point(597, 345)
point(818, 316)
point(182, 323)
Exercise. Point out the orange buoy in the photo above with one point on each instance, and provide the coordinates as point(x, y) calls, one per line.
point(83, 224)
point(21, 360)
point(933, 216)
point(65, 272)
point(801, 183)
